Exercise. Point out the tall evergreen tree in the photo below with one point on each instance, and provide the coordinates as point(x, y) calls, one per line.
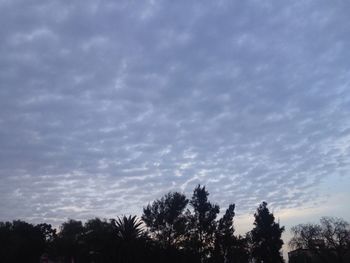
point(202, 223)
point(266, 236)
point(228, 247)
point(224, 237)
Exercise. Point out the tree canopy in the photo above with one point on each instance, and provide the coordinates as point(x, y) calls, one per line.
point(166, 220)
point(266, 236)
point(329, 240)
point(172, 228)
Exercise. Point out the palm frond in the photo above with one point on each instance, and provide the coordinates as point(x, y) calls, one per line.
point(129, 228)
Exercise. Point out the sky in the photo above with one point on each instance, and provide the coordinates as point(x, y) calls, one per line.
point(107, 105)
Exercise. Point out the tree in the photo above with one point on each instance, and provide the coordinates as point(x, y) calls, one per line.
point(224, 236)
point(329, 240)
point(266, 236)
point(202, 223)
point(228, 247)
point(166, 220)
point(240, 250)
point(48, 233)
point(20, 242)
point(128, 228)
point(48, 237)
point(101, 240)
point(131, 239)
point(336, 234)
point(306, 236)
point(70, 240)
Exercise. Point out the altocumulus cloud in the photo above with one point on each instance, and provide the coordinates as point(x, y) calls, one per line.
point(106, 105)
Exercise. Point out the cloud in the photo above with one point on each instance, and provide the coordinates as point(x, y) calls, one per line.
point(106, 106)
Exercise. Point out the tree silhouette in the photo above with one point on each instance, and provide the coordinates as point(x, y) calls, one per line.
point(131, 239)
point(202, 224)
point(70, 240)
point(20, 242)
point(266, 236)
point(166, 220)
point(228, 247)
point(128, 228)
point(224, 236)
point(336, 234)
point(100, 239)
point(240, 250)
point(306, 236)
point(174, 229)
point(329, 240)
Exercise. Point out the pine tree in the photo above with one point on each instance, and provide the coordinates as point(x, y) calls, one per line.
point(202, 223)
point(266, 236)
point(224, 237)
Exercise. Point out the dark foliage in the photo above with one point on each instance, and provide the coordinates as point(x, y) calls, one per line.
point(24, 242)
point(202, 224)
point(100, 240)
point(228, 247)
point(266, 236)
point(172, 229)
point(329, 241)
point(166, 220)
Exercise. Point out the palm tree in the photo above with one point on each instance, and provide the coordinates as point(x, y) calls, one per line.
point(129, 233)
point(128, 228)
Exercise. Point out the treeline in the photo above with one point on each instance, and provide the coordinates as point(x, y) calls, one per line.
point(171, 229)
point(326, 242)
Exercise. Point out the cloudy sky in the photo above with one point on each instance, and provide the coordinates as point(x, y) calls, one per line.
point(107, 105)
